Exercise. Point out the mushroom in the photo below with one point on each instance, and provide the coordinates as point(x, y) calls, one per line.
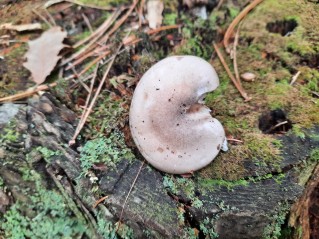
point(171, 127)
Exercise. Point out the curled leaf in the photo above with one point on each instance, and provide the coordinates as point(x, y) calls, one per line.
point(42, 55)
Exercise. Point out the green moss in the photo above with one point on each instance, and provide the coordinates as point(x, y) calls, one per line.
point(9, 133)
point(314, 154)
point(210, 184)
point(47, 153)
point(311, 76)
point(109, 114)
point(278, 94)
point(169, 18)
point(314, 137)
point(49, 216)
point(274, 230)
point(207, 229)
point(184, 186)
point(108, 150)
point(109, 230)
point(297, 130)
point(14, 75)
point(195, 43)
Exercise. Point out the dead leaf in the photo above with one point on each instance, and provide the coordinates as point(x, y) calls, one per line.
point(42, 55)
point(154, 13)
point(21, 28)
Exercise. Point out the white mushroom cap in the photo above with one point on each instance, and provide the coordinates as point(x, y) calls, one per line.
point(171, 127)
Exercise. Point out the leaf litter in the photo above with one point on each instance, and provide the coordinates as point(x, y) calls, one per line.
point(43, 53)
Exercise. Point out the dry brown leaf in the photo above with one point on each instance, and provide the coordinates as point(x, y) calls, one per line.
point(154, 13)
point(21, 28)
point(42, 55)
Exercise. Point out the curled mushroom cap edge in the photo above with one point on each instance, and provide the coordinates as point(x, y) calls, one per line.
point(169, 123)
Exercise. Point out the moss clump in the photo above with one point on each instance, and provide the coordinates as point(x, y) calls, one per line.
point(108, 150)
point(109, 230)
point(274, 230)
point(197, 38)
point(45, 215)
point(210, 184)
point(182, 186)
point(111, 112)
point(314, 154)
point(9, 134)
point(263, 150)
point(13, 74)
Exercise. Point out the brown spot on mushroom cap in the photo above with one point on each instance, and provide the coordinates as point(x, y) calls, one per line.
point(183, 124)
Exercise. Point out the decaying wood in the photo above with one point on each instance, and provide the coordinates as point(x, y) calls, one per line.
point(241, 210)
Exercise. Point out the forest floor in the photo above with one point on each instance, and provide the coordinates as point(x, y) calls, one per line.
point(273, 137)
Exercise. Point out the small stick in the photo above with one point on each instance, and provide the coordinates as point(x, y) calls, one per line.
point(96, 60)
point(99, 31)
point(27, 93)
point(220, 3)
point(235, 140)
point(119, 22)
point(230, 74)
point(42, 17)
point(87, 22)
point(276, 126)
point(315, 93)
point(235, 57)
point(89, 54)
point(99, 201)
point(129, 192)
point(89, 109)
point(80, 3)
point(295, 77)
point(237, 19)
point(140, 13)
point(87, 47)
point(162, 28)
point(50, 16)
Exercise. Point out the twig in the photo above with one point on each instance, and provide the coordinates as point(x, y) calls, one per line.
point(97, 34)
point(50, 16)
point(315, 93)
point(162, 28)
point(87, 22)
point(220, 3)
point(77, 130)
point(99, 201)
point(295, 77)
point(230, 74)
point(237, 19)
point(96, 60)
point(89, 54)
point(27, 93)
point(80, 80)
point(235, 57)
point(80, 3)
point(235, 140)
point(276, 126)
point(42, 17)
point(140, 13)
point(119, 22)
point(129, 192)
point(89, 109)
point(99, 31)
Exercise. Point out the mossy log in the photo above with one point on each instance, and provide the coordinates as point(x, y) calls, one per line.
point(35, 137)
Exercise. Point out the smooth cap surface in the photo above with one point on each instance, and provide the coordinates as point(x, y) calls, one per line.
point(171, 127)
